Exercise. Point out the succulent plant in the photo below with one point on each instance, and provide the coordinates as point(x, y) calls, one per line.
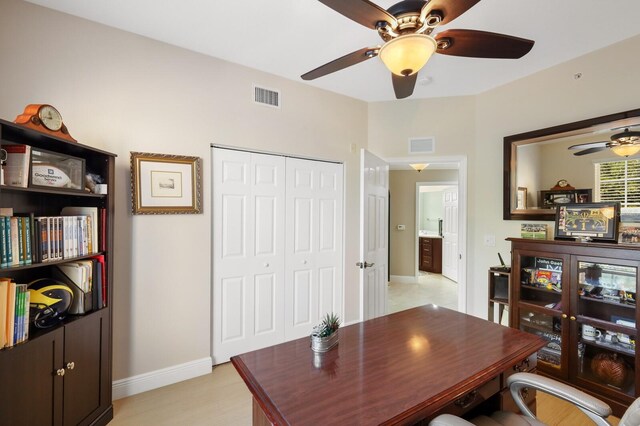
point(329, 325)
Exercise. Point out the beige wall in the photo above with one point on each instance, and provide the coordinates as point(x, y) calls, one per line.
point(545, 99)
point(475, 127)
point(402, 187)
point(122, 92)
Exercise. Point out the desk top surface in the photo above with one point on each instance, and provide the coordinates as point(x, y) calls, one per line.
point(387, 370)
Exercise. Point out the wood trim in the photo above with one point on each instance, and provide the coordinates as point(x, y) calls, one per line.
point(508, 144)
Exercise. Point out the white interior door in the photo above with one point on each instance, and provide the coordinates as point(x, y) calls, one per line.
point(374, 247)
point(450, 254)
point(314, 271)
point(248, 252)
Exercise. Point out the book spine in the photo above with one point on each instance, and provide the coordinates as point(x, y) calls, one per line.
point(20, 241)
point(7, 223)
point(28, 236)
point(3, 244)
point(44, 243)
point(27, 303)
point(37, 246)
point(89, 235)
point(15, 243)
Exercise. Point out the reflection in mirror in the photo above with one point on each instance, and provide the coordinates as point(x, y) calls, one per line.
point(542, 169)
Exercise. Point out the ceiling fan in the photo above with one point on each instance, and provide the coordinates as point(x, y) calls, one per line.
point(624, 144)
point(406, 29)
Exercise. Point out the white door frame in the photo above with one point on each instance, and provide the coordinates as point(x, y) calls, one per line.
point(457, 162)
point(417, 228)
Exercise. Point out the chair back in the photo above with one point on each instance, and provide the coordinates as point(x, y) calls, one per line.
point(631, 417)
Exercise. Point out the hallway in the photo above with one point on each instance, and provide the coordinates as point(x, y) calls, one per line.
point(427, 288)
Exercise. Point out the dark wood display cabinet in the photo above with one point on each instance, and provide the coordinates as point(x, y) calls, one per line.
point(581, 298)
point(431, 254)
point(60, 375)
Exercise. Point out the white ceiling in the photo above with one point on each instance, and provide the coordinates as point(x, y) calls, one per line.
point(291, 37)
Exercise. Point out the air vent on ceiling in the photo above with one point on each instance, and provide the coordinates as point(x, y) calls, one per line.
point(425, 145)
point(267, 97)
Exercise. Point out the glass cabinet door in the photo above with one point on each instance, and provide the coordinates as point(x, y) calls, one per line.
point(606, 358)
point(541, 281)
point(549, 327)
point(607, 292)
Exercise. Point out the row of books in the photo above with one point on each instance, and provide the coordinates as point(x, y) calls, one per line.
point(26, 239)
point(14, 313)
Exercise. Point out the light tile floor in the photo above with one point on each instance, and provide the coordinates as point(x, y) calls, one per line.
point(427, 288)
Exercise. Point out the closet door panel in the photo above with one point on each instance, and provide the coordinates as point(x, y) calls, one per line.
point(248, 252)
point(314, 245)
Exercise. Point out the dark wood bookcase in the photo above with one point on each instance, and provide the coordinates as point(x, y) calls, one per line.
point(580, 297)
point(60, 375)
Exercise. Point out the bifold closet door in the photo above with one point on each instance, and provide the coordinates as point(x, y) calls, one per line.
point(248, 252)
point(314, 264)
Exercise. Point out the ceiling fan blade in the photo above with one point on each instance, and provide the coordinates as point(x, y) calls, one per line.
point(343, 62)
point(482, 44)
point(403, 86)
point(362, 11)
point(590, 150)
point(449, 9)
point(589, 145)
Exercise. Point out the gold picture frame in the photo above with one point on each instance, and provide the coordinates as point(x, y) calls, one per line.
point(165, 184)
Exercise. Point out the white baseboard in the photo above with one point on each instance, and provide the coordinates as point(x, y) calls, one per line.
point(159, 378)
point(402, 278)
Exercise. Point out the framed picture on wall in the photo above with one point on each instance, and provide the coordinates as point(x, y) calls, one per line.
point(165, 184)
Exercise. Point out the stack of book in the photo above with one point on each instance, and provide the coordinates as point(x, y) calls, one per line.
point(25, 239)
point(14, 313)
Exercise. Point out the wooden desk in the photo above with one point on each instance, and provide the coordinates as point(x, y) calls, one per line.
point(395, 369)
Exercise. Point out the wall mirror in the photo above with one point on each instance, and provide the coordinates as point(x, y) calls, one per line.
point(537, 161)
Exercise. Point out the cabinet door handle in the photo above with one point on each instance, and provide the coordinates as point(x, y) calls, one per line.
point(564, 316)
point(572, 318)
point(60, 371)
point(71, 365)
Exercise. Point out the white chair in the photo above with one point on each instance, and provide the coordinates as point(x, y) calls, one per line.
point(595, 409)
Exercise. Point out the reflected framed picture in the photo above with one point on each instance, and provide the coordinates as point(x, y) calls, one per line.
point(165, 184)
point(588, 221)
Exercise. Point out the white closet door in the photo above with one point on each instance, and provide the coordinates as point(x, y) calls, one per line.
point(314, 271)
point(450, 253)
point(248, 252)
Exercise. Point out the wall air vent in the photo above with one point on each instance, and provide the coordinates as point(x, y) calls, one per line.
point(267, 97)
point(426, 145)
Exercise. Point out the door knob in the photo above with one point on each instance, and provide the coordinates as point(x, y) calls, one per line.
point(266, 265)
point(71, 365)
point(564, 315)
point(60, 371)
point(304, 262)
point(364, 265)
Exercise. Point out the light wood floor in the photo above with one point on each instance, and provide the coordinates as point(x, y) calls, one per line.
point(221, 398)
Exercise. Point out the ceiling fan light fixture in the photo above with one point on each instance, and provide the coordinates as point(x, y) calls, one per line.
point(625, 150)
point(418, 167)
point(407, 54)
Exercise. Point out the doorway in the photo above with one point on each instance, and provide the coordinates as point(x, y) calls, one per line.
point(444, 179)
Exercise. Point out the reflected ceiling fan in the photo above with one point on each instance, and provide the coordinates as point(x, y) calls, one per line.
point(406, 29)
point(624, 144)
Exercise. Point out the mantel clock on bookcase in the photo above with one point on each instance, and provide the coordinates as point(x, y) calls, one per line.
point(581, 298)
point(60, 375)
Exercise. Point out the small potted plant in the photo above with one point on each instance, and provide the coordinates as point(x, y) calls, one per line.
point(325, 334)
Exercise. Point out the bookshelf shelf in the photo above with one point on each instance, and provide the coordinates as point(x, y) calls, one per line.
point(6, 188)
point(36, 372)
